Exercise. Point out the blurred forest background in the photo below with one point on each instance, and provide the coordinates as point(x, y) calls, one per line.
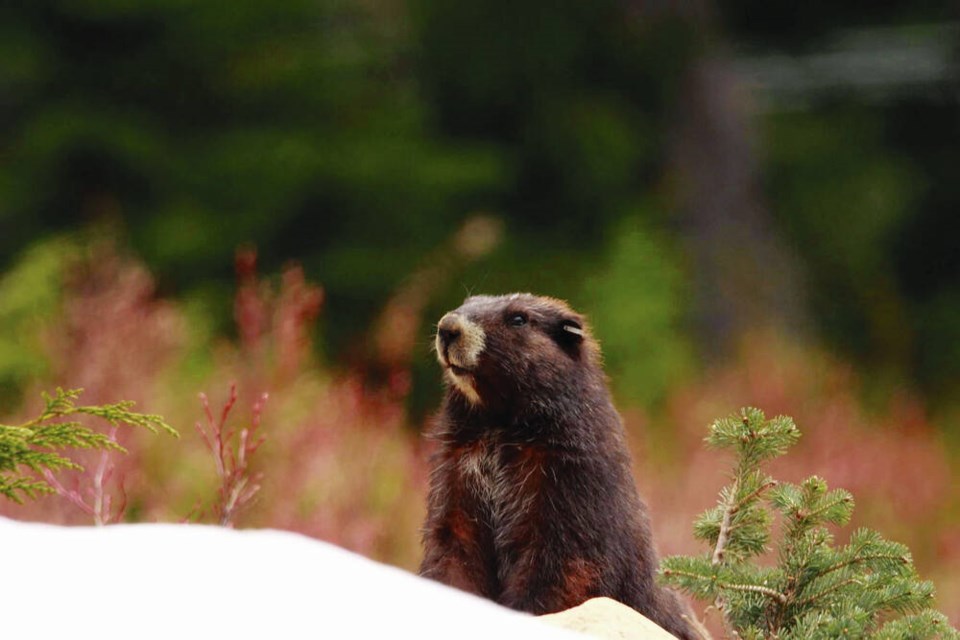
point(751, 201)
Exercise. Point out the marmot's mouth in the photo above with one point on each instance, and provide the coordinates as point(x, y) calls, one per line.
point(459, 371)
point(448, 364)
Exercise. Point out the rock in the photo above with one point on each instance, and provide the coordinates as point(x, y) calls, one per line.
point(608, 619)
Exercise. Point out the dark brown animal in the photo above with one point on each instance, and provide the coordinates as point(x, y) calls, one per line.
point(532, 502)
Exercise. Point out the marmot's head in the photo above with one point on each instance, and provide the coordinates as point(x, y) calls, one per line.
point(498, 351)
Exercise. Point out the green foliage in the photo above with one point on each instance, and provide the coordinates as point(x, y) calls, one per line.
point(636, 304)
point(29, 296)
point(815, 589)
point(36, 444)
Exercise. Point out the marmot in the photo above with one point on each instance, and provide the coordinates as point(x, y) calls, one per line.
point(532, 501)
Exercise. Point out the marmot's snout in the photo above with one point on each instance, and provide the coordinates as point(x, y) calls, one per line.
point(448, 330)
point(459, 344)
point(459, 341)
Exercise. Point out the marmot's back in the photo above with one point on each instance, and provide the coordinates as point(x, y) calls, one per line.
point(532, 502)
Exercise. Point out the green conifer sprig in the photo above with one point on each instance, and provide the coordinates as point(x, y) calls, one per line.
point(816, 589)
point(33, 446)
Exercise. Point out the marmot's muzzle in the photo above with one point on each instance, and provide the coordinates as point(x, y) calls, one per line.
point(459, 341)
point(459, 345)
point(449, 331)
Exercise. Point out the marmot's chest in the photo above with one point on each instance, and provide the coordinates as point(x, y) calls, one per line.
point(503, 481)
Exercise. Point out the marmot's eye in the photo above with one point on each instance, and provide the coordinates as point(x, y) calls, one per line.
point(517, 320)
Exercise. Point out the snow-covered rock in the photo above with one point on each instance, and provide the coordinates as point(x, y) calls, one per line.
point(189, 581)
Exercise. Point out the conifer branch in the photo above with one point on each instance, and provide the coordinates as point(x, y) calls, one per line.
point(842, 500)
point(817, 596)
point(731, 586)
point(720, 550)
point(33, 445)
point(861, 559)
point(723, 536)
point(753, 495)
point(755, 588)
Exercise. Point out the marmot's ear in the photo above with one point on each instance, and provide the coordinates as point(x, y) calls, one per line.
point(570, 332)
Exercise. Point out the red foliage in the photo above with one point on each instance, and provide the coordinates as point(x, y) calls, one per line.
point(98, 502)
point(232, 452)
point(275, 328)
point(341, 461)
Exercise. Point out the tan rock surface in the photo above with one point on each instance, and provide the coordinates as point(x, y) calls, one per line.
point(608, 619)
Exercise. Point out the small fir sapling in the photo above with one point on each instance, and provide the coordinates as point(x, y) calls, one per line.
point(867, 588)
point(32, 449)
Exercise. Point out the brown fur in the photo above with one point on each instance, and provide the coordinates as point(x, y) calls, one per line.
point(532, 502)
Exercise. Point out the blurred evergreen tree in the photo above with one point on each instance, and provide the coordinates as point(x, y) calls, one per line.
point(355, 137)
point(358, 137)
point(865, 189)
point(293, 125)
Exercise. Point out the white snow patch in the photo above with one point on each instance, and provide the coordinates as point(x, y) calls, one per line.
point(191, 581)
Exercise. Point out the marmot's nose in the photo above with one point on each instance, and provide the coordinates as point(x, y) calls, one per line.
point(449, 329)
